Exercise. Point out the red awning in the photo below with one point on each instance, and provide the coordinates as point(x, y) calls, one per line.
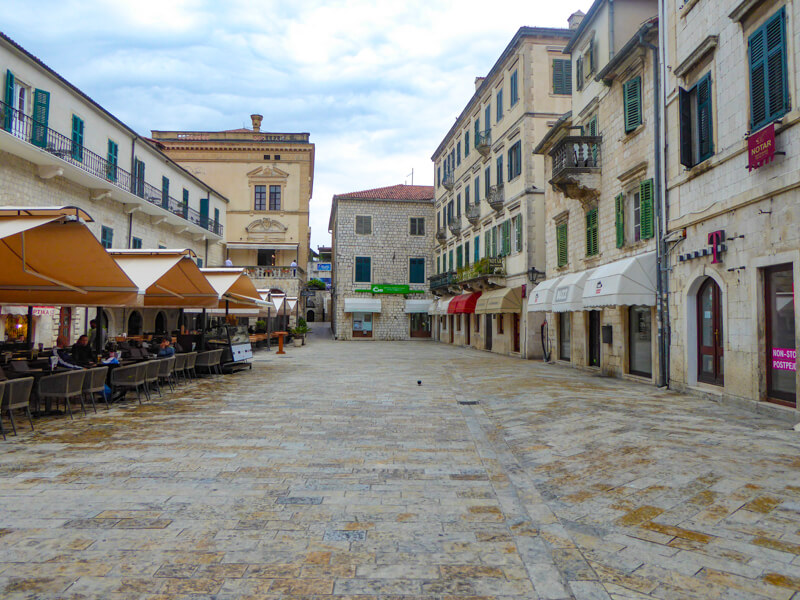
point(464, 304)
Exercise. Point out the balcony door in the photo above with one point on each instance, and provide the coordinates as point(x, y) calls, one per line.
point(709, 333)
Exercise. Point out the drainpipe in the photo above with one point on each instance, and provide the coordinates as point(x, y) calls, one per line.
point(611, 29)
point(661, 306)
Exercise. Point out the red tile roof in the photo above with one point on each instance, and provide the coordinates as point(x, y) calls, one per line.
point(393, 192)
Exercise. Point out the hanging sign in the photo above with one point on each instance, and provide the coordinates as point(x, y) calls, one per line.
point(44, 311)
point(761, 147)
point(277, 301)
point(390, 288)
point(292, 303)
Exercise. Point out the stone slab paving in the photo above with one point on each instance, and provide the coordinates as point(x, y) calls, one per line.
point(330, 473)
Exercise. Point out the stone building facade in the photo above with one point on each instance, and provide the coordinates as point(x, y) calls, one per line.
point(600, 295)
point(269, 179)
point(490, 196)
point(59, 148)
point(732, 228)
point(382, 242)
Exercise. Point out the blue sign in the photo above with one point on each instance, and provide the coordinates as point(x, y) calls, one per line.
point(323, 266)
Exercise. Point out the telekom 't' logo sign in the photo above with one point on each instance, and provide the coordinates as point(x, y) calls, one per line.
point(715, 239)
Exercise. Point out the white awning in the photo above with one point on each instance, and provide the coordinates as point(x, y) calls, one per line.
point(541, 297)
point(262, 246)
point(627, 282)
point(441, 307)
point(365, 305)
point(220, 312)
point(433, 307)
point(418, 306)
point(569, 292)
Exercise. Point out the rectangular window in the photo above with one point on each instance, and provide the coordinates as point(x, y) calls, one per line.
point(619, 219)
point(477, 247)
point(579, 73)
point(260, 202)
point(696, 123)
point(591, 233)
point(112, 158)
point(274, 197)
point(494, 241)
point(466, 197)
point(515, 161)
point(107, 237)
point(499, 102)
point(632, 102)
point(136, 243)
point(477, 130)
point(165, 192)
point(458, 206)
point(363, 269)
point(363, 225)
point(487, 181)
point(646, 210)
point(458, 153)
point(500, 170)
point(780, 328)
point(417, 226)
point(216, 228)
point(518, 233)
point(561, 244)
point(459, 257)
point(416, 270)
point(77, 138)
point(185, 206)
point(438, 176)
point(564, 336)
point(514, 89)
point(487, 243)
point(200, 262)
point(637, 215)
point(769, 89)
point(562, 76)
point(466, 144)
point(477, 183)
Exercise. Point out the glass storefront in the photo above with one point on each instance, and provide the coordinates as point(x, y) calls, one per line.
point(640, 338)
point(781, 349)
point(564, 336)
point(362, 324)
point(420, 325)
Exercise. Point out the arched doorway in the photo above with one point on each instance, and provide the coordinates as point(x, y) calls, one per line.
point(310, 316)
point(161, 323)
point(710, 360)
point(135, 323)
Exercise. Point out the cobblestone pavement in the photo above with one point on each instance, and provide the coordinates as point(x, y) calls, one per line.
point(330, 473)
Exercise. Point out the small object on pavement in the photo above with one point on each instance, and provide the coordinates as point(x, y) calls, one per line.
point(419, 382)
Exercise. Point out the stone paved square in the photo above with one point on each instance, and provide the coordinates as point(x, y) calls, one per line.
point(329, 473)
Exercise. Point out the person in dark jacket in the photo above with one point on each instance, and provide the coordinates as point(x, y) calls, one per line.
point(82, 352)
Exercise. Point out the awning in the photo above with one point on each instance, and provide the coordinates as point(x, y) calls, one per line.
point(167, 278)
point(48, 256)
point(434, 306)
point(418, 306)
point(464, 304)
point(441, 308)
point(365, 305)
point(569, 292)
point(541, 297)
point(220, 312)
point(503, 300)
point(234, 287)
point(627, 282)
point(262, 245)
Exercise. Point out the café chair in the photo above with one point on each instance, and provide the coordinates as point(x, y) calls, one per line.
point(166, 371)
point(16, 393)
point(188, 368)
point(64, 386)
point(180, 365)
point(130, 377)
point(151, 375)
point(95, 383)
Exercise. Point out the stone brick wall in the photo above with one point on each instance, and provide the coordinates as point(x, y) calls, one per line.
point(390, 247)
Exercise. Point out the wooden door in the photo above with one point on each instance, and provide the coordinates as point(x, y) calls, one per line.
point(709, 334)
point(65, 323)
point(594, 338)
point(515, 330)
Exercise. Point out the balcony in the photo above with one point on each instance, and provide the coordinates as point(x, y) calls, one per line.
point(288, 279)
point(441, 235)
point(443, 282)
point(483, 142)
point(448, 181)
point(455, 225)
point(473, 213)
point(496, 197)
point(576, 167)
point(27, 129)
point(484, 274)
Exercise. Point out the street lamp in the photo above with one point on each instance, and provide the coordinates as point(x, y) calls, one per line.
point(534, 274)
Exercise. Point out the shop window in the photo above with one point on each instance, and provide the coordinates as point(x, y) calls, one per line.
point(640, 349)
point(564, 336)
point(499, 324)
point(781, 347)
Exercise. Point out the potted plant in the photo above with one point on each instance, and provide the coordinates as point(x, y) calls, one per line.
point(261, 326)
point(299, 334)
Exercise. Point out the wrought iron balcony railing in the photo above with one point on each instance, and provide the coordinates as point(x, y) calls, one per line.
point(441, 235)
point(442, 280)
point(449, 180)
point(576, 154)
point(28, 129)
point(496, 197)
point(483, 142)
point(455, 225)
point(473, 213)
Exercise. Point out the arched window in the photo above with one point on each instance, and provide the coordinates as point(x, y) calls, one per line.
point(161, 323)
point(710, 361)
point(135, 323)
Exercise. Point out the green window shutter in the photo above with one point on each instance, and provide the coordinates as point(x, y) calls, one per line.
point(466, 144)
point(459, 257)
point(685, 110)
point(506, 238)
point(646, 209)
point(619, 219)
point(704, 124)
point(111, 159)
point(452, 264)
point(77, 138)
point(562, 76)
point(494, 242)
point(185, 203)
point(519, 233)
point(632, 98)
point(591, 56)
point(477, 130)
point(165, 192)
point(561, 244)
point(41, 111)
point(579, 73)
point(591, 232)
point(204, 213)
point(8, 119)
point(438, 264)
point(769, 94)
point(487, 244)
point(416, 271)
point(477, 248)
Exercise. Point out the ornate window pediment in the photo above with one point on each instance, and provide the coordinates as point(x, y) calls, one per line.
point(267, 173)
point(266, 230)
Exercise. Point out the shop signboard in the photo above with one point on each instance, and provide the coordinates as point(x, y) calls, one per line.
point(323, 266)
point(761, 147)
point(390, 288)
point(784, 359)
point(44, 311)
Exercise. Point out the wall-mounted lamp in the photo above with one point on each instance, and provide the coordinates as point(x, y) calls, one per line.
point(534, 274)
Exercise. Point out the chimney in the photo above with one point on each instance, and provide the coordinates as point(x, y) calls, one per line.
point(256, 122)
point(479, 82)
point(575, 20)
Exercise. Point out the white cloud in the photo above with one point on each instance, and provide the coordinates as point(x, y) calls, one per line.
point(376, 83)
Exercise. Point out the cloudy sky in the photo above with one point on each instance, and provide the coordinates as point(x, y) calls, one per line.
point(377, 84)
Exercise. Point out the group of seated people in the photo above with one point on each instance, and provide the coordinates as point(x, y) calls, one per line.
point(82, 355)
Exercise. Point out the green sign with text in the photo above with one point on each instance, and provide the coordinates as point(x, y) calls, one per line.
point(390, 288)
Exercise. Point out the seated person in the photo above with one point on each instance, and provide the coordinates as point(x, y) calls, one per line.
point(82, 352)
point(65, 359)
point(165, 350)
